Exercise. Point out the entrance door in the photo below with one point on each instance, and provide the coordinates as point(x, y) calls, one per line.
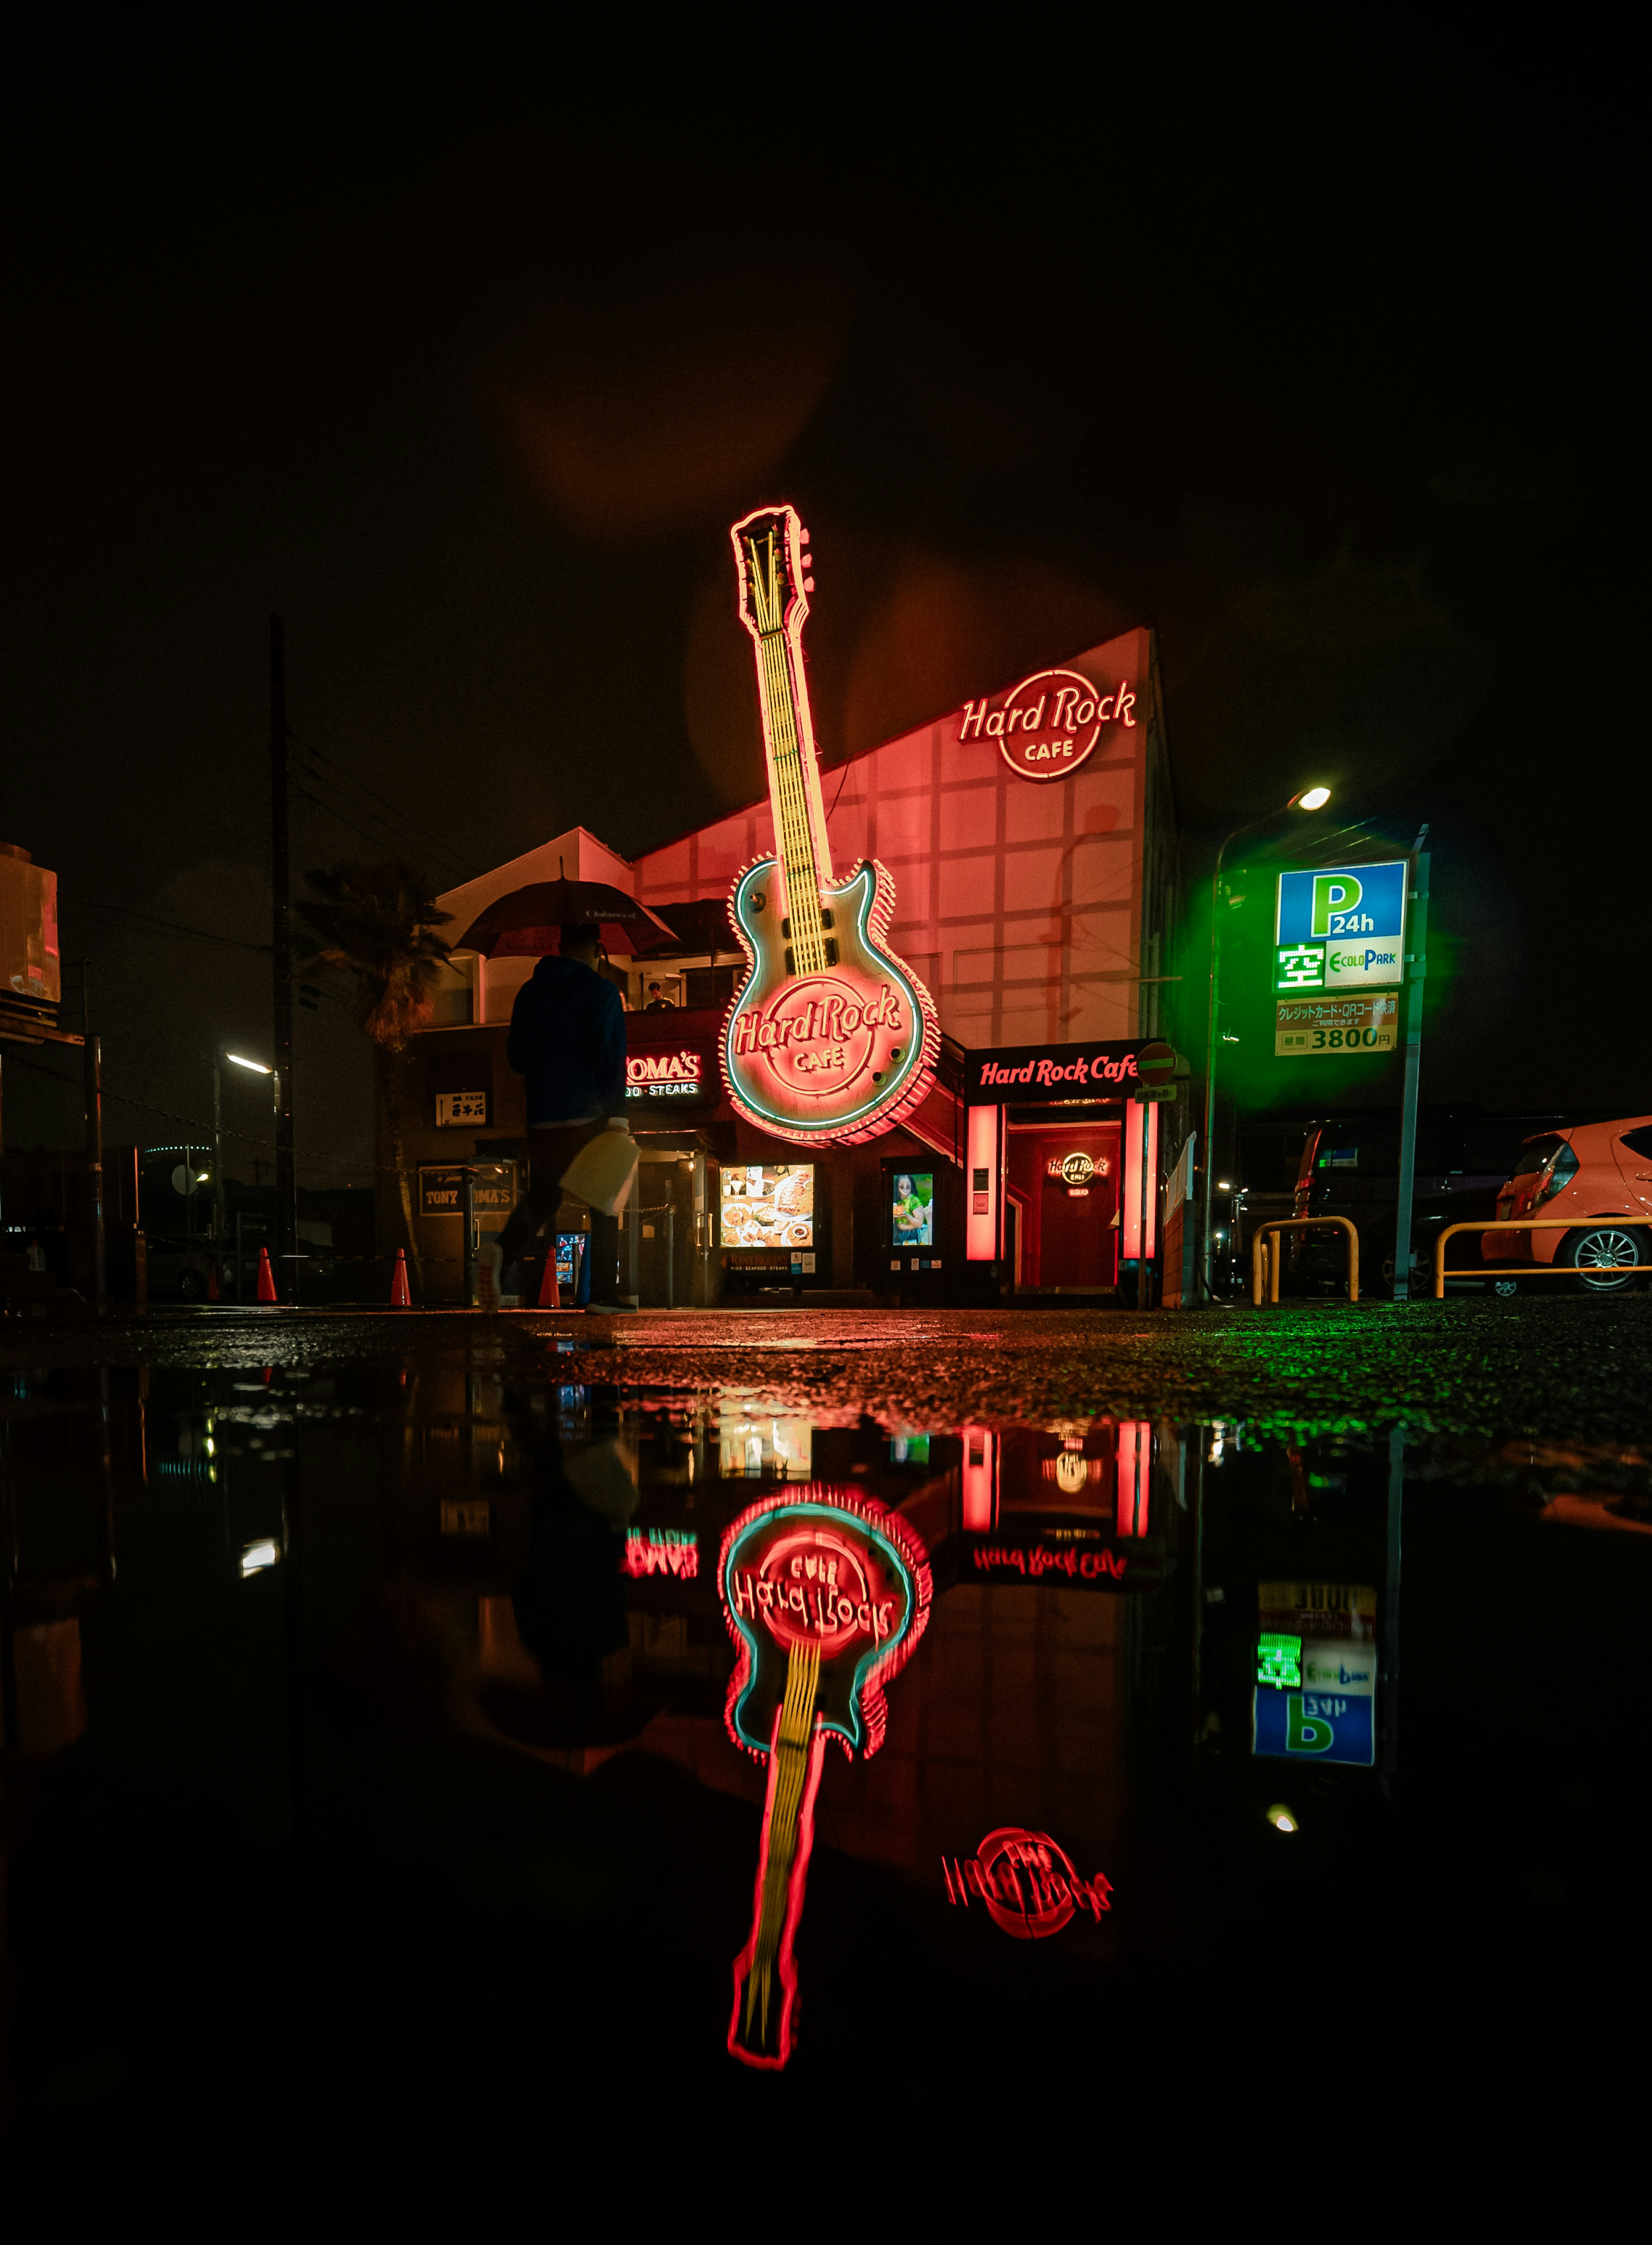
point(1078, 1245)
point(1066, 1179)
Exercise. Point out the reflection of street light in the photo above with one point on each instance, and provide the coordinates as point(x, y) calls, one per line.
point(1307, 798)
point(254, 1068)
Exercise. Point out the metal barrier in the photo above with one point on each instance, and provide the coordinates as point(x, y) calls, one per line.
point(1534, 1270)
point(1260, 1249)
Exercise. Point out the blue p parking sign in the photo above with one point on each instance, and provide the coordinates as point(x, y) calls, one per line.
point(1314, 1725)
point(1339, 928)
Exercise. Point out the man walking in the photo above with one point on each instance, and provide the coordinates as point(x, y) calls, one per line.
point(568, 1040)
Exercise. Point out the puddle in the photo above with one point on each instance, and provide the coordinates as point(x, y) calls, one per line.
point(742, 1736)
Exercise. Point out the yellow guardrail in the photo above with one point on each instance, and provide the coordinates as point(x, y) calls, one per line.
point(1260, 1251)
point(1533, 1269)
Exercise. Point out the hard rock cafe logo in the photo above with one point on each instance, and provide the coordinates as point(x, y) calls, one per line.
point(1027, 1882)
point(1049, 724)
point(819, 1033)
point(1076, 1169)
point(811, 1587)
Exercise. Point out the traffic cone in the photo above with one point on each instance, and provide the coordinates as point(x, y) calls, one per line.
point(266, 1277)
point(212, 1294)
point(550, 1297)
point(400, 1298)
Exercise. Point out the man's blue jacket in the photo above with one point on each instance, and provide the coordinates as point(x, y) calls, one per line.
point(568, 1039)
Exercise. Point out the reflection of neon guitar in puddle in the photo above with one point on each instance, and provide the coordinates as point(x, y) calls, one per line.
point(832, 1035)
point(825, 1597)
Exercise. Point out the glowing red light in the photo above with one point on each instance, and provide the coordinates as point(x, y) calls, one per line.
point(1027, 1882)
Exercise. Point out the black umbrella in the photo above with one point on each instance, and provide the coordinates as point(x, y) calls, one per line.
point(529, 922)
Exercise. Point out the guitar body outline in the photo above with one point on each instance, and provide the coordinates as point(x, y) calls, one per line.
point(784, 1045)
point(825, 1595)
point(854, 1714)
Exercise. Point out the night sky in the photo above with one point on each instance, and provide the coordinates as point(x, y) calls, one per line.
point(1324, 370)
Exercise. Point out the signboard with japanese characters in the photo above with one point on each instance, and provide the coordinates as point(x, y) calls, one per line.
point(457, 1108)
point(1340, 928)
point(1304, 1026)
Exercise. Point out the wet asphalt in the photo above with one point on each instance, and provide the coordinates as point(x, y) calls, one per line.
point(1568, 1372)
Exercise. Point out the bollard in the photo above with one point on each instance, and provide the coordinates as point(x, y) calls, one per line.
point(266, 1277)
point(400, 1298)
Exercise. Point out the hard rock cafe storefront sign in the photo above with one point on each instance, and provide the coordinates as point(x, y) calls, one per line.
point(1050, 724)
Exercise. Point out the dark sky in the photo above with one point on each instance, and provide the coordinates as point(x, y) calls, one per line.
point(1325, 367)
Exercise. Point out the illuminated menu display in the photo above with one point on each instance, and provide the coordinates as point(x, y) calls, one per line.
point(771, 1207)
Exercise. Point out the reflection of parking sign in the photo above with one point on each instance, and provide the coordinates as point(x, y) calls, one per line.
point(1333, 1725)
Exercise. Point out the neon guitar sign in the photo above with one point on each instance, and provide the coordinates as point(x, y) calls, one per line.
point(825, 1597)
point(833, 1037)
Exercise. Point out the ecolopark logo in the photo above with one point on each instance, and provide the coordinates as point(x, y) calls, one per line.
point(1340, 928)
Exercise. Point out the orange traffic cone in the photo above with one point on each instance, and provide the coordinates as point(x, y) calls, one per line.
point(550, 1299)
point(266, 1277)
point(400, 1298)
point(212, 1294)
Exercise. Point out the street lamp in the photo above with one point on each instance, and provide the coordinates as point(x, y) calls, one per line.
point(1307, 798)
point(254, 1068)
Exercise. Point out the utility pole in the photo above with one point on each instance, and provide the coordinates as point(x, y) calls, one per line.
point(281, 964)
point(93, 1061)
point(1416, 975)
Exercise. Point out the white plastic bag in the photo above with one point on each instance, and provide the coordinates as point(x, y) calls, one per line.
point(601, 1171)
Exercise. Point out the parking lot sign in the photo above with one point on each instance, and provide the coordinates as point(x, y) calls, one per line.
point(1340, 928)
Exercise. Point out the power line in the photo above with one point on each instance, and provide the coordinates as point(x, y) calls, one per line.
point(203, 1130)
point(396, 821)
point(170, 927)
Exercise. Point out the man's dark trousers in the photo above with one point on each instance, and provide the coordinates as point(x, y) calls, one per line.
point(551, 1149)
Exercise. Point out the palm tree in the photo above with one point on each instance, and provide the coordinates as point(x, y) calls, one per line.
point(377, 928)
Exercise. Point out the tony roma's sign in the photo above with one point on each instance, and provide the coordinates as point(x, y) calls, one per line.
point(442, 1189)
point(1009, 1073)
point(1340, 928)
point(671, 1062)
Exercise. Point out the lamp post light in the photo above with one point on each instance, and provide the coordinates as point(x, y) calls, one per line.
point(1307, 798)
point(254, 1068)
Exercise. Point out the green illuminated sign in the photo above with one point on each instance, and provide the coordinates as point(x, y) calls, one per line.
point(1279, 1659)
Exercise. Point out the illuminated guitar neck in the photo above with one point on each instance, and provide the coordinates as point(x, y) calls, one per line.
point(759, 2031)
point(775, 610)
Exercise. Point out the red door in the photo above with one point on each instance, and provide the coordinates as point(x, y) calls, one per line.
point(1070, 1178)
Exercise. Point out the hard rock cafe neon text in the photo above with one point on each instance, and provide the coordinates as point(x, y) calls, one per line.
point(1049, 724)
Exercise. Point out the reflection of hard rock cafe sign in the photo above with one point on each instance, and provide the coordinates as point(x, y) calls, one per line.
point(825, 1597)
point(831, 1038)
point(1028, 1884)
point(1049, 724)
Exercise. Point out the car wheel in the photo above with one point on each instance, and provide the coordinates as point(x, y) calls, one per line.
point(192, 1286)
point(1599, 1254)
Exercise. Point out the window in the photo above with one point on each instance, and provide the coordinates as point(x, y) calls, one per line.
point(1639, 1142)
point(710, 985)
point(1562, 1169)
point(1533, 1157)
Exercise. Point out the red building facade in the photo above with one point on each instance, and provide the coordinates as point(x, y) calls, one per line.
point(1031, 839)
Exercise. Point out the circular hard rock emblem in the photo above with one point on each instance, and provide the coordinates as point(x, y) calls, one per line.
point(1078, 1170)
